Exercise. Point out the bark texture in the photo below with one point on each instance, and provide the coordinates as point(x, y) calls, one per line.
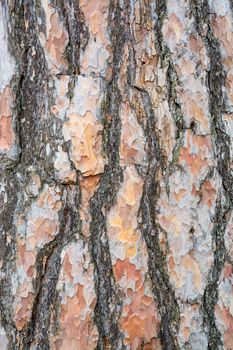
point(116, 183)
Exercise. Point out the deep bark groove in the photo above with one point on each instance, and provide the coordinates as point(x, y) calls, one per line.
point(221, 143)
point(161, 286)
point(32, 101)
point(48, 266)
point(171, 79)
point(73, 18)
point(108, 307)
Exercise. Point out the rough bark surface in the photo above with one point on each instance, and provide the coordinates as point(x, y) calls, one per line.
point(116, 182)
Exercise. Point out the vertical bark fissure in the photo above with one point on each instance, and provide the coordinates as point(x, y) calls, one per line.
point(73, 18)
point(221, 145)
point(171, 80)
point(74, 21)
point(48, 264)
point(31, 88)
point(24, 46)
point(8, 251)
point(109, 305)
point(32, 100)
point(157, 265)
point(231, 5)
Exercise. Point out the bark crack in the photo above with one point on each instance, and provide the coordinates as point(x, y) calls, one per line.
point(33, 96)
point(221, 143)
point(161, 286)
point(48, 264)
point(108, 306)
point(171, 81)
point(78, 34)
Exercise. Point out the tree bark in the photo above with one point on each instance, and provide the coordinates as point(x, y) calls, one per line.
point(116, 184)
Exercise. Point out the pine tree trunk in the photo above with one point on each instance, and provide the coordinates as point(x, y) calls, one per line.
point(116, 184)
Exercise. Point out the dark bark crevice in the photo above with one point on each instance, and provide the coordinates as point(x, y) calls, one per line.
point(48, 264)
point(21, 44)
point(157, 265)
point(172, 82)
point(109, 304)
point(231, 6)
point(162, 288)
point(73, 18)
point(221, 146)
point(31, 85)
point(8, 252)
point(33, 97)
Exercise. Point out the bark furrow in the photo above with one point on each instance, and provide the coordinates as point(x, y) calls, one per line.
point(221, 144)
